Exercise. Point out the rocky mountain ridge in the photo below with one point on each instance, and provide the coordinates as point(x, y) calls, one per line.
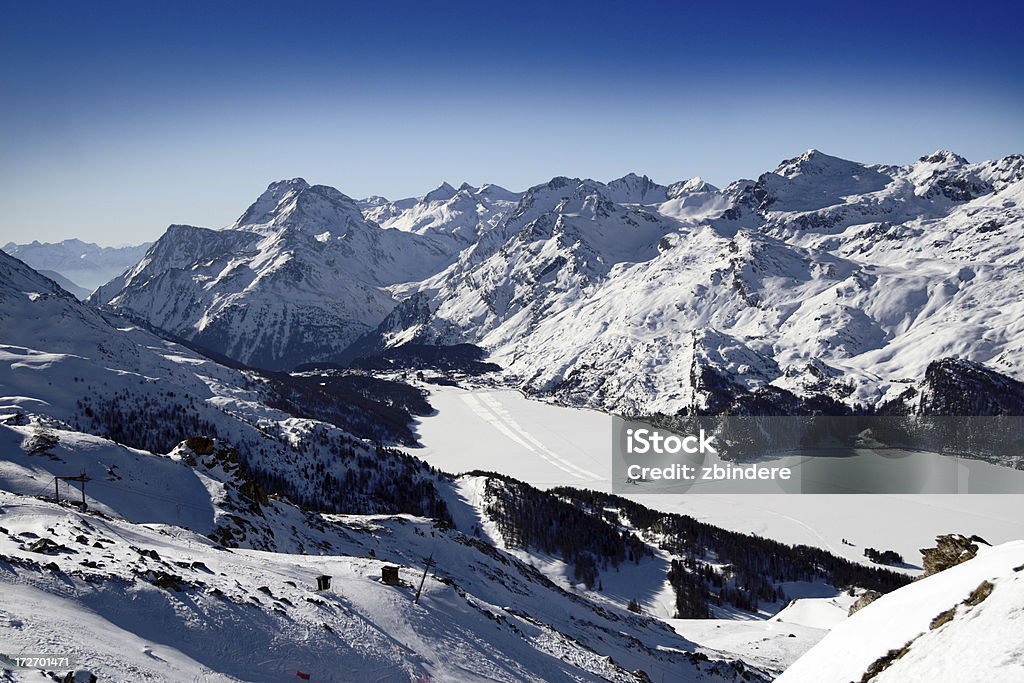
point(824, 278)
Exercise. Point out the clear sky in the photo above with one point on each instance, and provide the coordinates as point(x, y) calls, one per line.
point(117, 119)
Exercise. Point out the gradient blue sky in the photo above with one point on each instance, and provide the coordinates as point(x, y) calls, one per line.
point(117, 119)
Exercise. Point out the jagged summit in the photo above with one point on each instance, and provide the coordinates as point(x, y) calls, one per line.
point(814, 162)
point(943, 156)
point(692, 186)
point(497, 192)
point(441, 193)
point(634, 189)
point(698, 184)
point(298, 205)
point(296, 183)
point(373, 200)
point(276, 193)
point(632, 179)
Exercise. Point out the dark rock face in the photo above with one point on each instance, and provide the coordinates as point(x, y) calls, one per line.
point(408, 313)
point(958, 387)
point(466, 359)
point(864, 600)
point(951, 550)
point(725, 397)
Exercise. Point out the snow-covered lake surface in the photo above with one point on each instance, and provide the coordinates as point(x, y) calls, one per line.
point(547, 445)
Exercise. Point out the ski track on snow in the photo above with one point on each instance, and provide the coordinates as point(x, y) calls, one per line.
point(489, 409)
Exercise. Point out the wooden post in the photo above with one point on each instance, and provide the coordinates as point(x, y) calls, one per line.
point(56, 488)
point(427, 564)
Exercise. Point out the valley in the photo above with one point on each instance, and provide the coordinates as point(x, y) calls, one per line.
point(246, 434)
point(549, 445)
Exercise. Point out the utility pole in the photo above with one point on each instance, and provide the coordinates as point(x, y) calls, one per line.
point(427, 564)
point(81, 479)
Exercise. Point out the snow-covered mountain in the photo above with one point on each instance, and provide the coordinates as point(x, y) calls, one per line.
point(106, 376)
point(298, 277)
point(214, 512)
point(458, 216)
point(85, 265)
point(824, 277)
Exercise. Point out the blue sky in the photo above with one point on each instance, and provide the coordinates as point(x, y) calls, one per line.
point(117, 119)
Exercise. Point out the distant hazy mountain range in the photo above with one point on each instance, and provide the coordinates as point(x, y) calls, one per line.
point(83, 265)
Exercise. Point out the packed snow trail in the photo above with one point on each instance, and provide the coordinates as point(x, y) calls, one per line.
point(487, 407)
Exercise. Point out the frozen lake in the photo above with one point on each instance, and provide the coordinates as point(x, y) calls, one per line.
point(546, 445)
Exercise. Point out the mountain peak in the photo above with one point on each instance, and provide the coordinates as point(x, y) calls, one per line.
point(296, 184)
point(633, 180)
point(441, 193)
point(691, 186)
point(276, 193)
point(815, 162)
point(297, 204)
point(496, 192)
point(374, 200)
point(634, 189)
point(75, 242)
point(560, 181)
point(943, 156)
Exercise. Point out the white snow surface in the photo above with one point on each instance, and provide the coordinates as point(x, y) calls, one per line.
point(981, 643)
point(549, 445)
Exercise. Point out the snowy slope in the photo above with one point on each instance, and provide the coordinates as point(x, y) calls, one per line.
point(978, 642)
point(62, 359)
point(185, 559)
point(68, 285)
point(140, 568)
point(137, 567)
